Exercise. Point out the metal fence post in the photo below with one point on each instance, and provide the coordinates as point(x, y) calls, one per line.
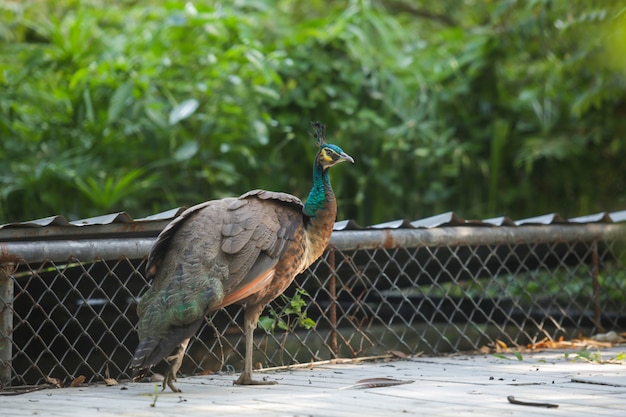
point(595, 285)
point(6, 322)
point(332, 308)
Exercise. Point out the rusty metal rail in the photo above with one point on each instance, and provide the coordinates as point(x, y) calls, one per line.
point(136, 248)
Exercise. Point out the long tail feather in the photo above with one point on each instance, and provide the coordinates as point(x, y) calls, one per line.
point(152, 349)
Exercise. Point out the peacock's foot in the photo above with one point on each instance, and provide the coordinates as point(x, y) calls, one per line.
point(246, 379)
point(169, 379)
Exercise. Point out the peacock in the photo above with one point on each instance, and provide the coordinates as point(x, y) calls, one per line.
point(244, 250)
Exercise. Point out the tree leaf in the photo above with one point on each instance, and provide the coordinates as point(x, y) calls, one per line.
point(261, 131)
point(282, 324)
point(110, 382)
point(156, 116)
point(187, 151)
point(119, 100)
point(267, 92)
point(307, 323)
point(78, 381)
point(267, 323)
point(183, 110)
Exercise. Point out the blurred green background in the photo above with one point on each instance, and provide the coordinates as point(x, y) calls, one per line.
point(481, 107)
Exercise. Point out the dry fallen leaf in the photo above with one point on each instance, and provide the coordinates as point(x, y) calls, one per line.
point(206, 372)
point(78, 381)
point(110, 382)
point(398, 354)
point(500, 344)
point(54, 381)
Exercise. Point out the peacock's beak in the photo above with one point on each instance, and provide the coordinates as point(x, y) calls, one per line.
point(345, 157)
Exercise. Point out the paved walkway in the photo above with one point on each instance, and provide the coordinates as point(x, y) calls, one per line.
point(561, 383)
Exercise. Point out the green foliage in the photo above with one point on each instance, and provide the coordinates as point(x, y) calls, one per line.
point(293, 307)
point(565, 284)
point(105, 191)
point(494, 108)
point(516, 353)
point(156, 396)
point(586, 355)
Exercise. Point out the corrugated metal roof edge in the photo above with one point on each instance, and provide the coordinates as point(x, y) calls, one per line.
point(119, 217)
point(452, 219)
point(441, 220)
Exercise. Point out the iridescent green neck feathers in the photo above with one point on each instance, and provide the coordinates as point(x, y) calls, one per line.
point(320, 192)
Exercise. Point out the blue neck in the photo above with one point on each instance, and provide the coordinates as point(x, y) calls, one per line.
point(319, 192)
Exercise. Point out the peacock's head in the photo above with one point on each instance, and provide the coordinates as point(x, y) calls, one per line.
point(329, 154)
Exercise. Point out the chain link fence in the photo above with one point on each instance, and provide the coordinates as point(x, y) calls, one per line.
point(435, 291)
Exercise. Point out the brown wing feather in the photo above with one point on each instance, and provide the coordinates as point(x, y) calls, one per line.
point(272, 195)
point(244, 291)
point(257, 232)
point(159, 249)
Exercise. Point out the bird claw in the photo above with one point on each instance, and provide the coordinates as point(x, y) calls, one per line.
point(246, 379)
point(169, 380)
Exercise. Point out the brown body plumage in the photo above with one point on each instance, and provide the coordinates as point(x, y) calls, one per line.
point(236, 250)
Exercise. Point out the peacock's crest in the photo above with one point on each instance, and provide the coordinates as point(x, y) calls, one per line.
point(319, 133)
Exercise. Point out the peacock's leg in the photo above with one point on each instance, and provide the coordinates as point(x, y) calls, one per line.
point(175, 361)
point(251, 318)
